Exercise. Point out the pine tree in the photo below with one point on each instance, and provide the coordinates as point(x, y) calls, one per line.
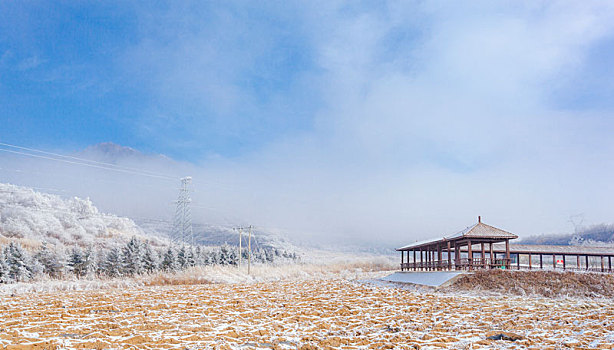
point(89, 261)
point(149, 259)
point(224, 257)
point(168, 262)
point(132, 259)
point(4, 269)
point(268, 256)
point(112, 265)
point(17, 261)
point(77, 263)
point(198, 256)
point(190, 259)
point(50, 261)
point(210, 257)
point(182, 258)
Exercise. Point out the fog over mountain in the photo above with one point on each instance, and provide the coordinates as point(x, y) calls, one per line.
point(127, 182)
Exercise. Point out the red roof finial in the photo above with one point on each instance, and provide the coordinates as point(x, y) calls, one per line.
point(479, 219)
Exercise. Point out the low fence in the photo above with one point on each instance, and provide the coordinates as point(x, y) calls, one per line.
point(509, 264)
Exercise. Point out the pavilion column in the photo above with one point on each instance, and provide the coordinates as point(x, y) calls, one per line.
point(530, 261)
point(492, 259)
point(415, 267)
point(586, 258)
point(469, 255)
point(507, 253)
point(564, 267)
point(578, 262)
point(439, 257)
point(449, 257)
point(602, 267)
point(610, 263)
point(483, 256)
point(541, 261)
point(407, 261)
point(517, 261)
point(457, 256)
point(430, 259)
point(554, 261)
point(402, 256)
point(421, 260)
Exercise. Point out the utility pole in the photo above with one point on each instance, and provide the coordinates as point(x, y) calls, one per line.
point(249, 250)
point(240, 229)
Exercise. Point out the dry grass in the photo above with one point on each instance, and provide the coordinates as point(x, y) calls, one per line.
point(359, 268)
point(540, 283)
point(305, 314)
point(28, 244)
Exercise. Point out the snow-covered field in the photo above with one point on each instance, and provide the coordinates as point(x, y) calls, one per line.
point(313, 310)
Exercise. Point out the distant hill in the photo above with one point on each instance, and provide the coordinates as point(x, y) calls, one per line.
point(110, 152)
point(33, 217)
point(602, 234)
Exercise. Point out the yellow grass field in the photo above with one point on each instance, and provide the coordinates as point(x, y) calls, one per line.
point(313, 314)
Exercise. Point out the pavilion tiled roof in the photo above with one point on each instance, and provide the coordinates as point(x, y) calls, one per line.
point(477, 231)
point(481, 230)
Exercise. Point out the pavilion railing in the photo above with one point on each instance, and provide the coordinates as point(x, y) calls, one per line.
point(488, 263)
point(459, 264)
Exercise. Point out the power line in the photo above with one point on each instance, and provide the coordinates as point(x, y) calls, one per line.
point(82, 159)
point(164, 177)
point(66, 176)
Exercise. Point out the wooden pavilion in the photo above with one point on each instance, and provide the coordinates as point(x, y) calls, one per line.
point(457, 251)
point(467, 250)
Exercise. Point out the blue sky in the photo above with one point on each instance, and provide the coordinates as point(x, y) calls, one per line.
point(210, 79)
point(194, 79)
point(370, 114)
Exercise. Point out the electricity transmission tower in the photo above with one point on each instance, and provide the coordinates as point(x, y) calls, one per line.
point(182, 223)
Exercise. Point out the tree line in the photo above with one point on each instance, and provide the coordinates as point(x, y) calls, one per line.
point(134, 258)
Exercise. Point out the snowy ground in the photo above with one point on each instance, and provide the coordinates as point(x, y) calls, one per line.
point(315, 311)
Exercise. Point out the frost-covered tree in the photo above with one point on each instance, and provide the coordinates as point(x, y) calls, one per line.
point(269, 256)
point(89, 259)
point(150, 263)
point(198, 256)
point(4, 269)
point(211, 257)
point(169, 262)
point(17, 261)
point(50, 261)
point(132, 258)
point(112, 265)
point(189, 258)
point(182, 258)
point(77, 263)
point(225, 257)
point(257, 255)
